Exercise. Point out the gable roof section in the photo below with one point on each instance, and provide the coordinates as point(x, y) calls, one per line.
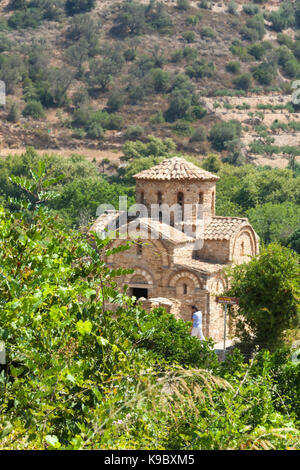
point(174, 169)
point(224, 228)
point(159, 230)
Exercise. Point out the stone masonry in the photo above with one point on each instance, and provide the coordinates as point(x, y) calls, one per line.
point(179, 263)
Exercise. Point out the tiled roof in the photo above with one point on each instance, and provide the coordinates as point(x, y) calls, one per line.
point(159, 230)
point(107, 221)
point(223, 228)
point(204, 266)
point(176, 169)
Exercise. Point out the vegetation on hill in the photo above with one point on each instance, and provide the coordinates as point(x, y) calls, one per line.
point(90, 72)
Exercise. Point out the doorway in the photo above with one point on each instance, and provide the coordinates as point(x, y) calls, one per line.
point(139, 292)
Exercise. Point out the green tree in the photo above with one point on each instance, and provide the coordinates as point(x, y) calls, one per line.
point(294, 241)
point(268, 288)
point(223, 132)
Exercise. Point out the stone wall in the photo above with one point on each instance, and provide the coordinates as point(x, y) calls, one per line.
point(215, 250)
point(203, 193)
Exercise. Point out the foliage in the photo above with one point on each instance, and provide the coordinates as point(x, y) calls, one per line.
point(78, 6)
point(80, 376)
point(224, 132)
point(34, 109)
point(268, 288)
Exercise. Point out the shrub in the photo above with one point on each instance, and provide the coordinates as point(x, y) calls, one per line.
point(13, 114)
point(130, 21)
point(177, 56)
point(251, 9)
point(243, 81)
point(233, 67)
point(282, 18)
point(189, 36)
point(265, 73)
point(232, 8)
point(158, 118)
point(294, 241)
point(267, 287)
point(259, 49)
point(182, 128)
point(224, 132)
point(179, 103)
point(34, 109)
point(193, 19)
point(161, 80)
point(207, 32)
point(197, 112)
point(199, 135)
point(95, 131)
point(212, 163)
point(115, 101)
point(183, 4)
point(79, 6)
point(134, 132)
point(254, 28)
point(28, 18)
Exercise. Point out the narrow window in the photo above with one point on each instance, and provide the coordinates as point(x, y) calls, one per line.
point(242, 249)
point(159, 198)
point(139, 249)
point(201, 198)
point(142, 199)
point(213, 203)
point(180, 201)
point(184, 289)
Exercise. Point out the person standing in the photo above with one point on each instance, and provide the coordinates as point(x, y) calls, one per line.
point(197, 323)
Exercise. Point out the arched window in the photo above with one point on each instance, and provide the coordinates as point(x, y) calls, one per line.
point(159, 198)
point(185, 289)
point(180, 202)
point(242, 249)
point(180, 199)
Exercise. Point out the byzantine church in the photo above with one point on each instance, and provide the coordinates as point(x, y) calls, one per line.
point(178, 263)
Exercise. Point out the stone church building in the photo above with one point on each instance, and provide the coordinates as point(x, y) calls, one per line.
point(179, 262)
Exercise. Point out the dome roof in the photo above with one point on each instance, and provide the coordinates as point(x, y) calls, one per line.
point(176, 169)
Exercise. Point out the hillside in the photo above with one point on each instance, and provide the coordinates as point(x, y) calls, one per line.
point(85, 76)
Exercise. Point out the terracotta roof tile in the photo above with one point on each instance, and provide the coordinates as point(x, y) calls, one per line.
point(223, 228)
point(176, 169)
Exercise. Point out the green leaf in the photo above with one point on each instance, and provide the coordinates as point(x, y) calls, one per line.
point(84, 328)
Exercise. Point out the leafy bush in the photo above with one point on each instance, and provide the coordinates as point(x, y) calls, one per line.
point(183, 4)
point(79, 6)
point(294, 241)
point(95, 131)
point(134, 132)
point(131, 20)
point(265, 73)
point(251, 9)
point(282, 18)
point(34, 109)
point(254, 28)
point(199, 135)
point(223, 132)
point(207, 32)
point(161, 79)
point(189, 36)
point(243, 81)
point(267, 287)
point(233, 67)
point(28, 18)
